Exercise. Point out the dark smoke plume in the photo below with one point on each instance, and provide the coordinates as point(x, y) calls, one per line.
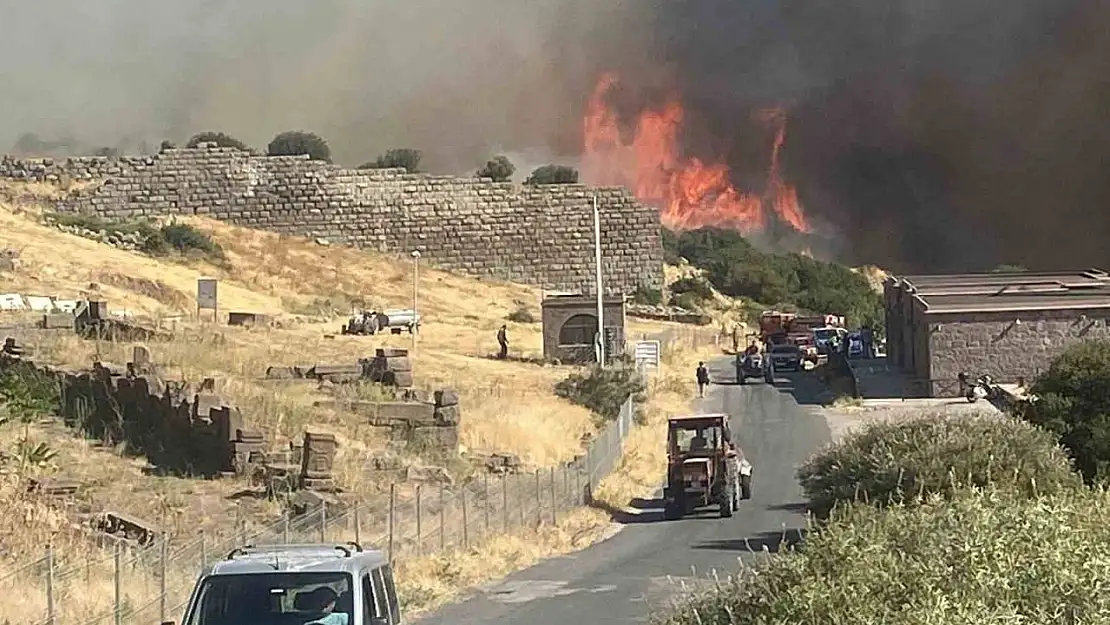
point(934, 134)
point(937, 134)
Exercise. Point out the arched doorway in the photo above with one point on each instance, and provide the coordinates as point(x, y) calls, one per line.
point(577, 331)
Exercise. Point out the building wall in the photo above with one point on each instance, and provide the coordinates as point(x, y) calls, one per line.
point(555, 315)
point(534, 235)
point(993, 343)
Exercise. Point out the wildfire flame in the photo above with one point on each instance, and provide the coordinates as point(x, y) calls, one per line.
point(690, 192)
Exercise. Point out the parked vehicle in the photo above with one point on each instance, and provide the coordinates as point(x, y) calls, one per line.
point(753, 365)
point(787, 357)
point(272, 584)
point(855, 345)
point(371, 322)
point(704, 467)
point(823, 337)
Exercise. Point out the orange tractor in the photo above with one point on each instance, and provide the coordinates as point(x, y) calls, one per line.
point(705, 468)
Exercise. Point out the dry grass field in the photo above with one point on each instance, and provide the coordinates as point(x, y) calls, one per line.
point(508, 406)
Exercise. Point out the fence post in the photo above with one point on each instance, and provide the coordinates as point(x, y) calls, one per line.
point(392, 506)
point(50, 584)
point(465, 523)
point(358, 524)
point(505, 502)
point(588, 493)
point(116, 574)
point(554, 514)
point(442, 527)
point(539, 501)
point(285, 527)
point(162, 577)
point(578, 498)
point(485, 503)
point(419, 524)
point(203, 551)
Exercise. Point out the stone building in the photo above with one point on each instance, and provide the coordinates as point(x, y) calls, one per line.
point(1007, 325)
point(570, 325)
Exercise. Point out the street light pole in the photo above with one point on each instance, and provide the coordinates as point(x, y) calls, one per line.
point(598, 287)
point(415, 291)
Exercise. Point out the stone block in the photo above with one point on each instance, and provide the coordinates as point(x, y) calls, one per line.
point(446, 397)
point(320, 371)
point(282, 373)
point(58, 321)
point(391, 352)
point(447, 415)
point(400, 379)
point(397, 363)
point(408, 412)
point(439, 438)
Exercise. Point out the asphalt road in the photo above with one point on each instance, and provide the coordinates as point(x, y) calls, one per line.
point(637, 571)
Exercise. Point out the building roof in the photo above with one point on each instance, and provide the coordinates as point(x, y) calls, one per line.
point(1005, 292)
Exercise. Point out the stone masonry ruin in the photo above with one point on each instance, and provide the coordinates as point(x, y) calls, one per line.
point(535, 235)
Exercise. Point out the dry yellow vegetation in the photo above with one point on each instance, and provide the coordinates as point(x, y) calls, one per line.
point(507, 405)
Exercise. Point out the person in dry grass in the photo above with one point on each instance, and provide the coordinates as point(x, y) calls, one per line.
point(703, 378)
point(503, 342)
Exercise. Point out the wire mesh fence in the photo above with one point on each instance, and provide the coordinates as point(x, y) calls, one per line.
point(122, 584)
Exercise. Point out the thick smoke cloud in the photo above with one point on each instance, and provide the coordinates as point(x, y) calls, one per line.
point(938, 135)
point(459, 79)
point(935, 134)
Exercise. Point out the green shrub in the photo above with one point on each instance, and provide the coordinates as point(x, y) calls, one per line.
point(738, 269)
point(153, 239)
point(603, 391)
point(648, 296)
point(521, 315)
point(404, 158)
point(984, 557)
point(27, 393)
point(297, 142)
point(896, 461)
point(185, 238)
point(1073, 402)
point(553, 174)
point(500, 168)
point(220, 139)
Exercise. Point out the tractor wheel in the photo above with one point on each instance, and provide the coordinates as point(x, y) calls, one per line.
point(726, 504)
point(745, 487)
point(673, 510)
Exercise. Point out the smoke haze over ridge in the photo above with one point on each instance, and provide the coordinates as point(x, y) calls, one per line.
point(936, 135)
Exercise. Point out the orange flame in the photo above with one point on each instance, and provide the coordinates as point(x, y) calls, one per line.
point(690, 192)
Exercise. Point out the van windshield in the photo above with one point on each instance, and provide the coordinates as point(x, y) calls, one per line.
point(275, 599)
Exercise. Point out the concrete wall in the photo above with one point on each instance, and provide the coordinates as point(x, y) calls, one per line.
point(535, 235)
point(993, 343)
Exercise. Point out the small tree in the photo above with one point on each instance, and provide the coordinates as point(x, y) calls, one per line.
point(166, 145)
point(1073, 402)
point(500, 168)
point(405, 158)
point(222, 140)
point(297, 142)
point(553, 174)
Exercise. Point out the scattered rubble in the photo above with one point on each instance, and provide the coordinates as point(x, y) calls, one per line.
point(667, 313)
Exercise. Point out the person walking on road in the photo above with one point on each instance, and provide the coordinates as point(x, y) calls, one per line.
point(703, 378)
point(503, 341)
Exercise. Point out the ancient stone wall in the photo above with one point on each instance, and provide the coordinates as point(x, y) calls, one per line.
point(535, 235)
point(993, 343)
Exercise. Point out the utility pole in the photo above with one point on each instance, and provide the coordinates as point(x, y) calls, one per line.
point(415, 290)
point(599, 287)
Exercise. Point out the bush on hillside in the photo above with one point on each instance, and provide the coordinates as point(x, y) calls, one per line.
point(553, 174)
point(691, 293)
point(648, 296)
point(894, 462)
point(603, 391)
point(221, 139)
point(144, 235)
point(297, 142)
point(1073, 403)
point(500, 168)
point(27, 393)
point(984, 557)
point(404, 158)
point(738, 269)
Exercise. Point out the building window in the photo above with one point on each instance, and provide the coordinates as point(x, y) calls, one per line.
point(578, 330)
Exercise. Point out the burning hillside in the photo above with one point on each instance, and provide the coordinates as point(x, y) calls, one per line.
point(646, 156)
